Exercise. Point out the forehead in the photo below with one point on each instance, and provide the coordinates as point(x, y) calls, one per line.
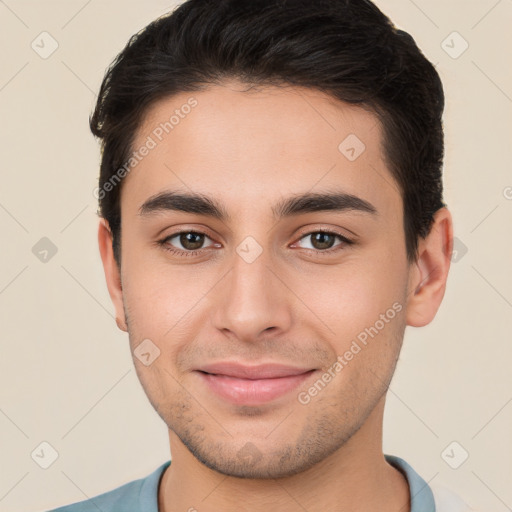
point(258, 144)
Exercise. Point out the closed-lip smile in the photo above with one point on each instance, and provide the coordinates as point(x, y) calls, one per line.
point(245, 384)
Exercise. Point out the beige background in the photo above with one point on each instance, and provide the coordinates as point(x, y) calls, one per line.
point(67, 377)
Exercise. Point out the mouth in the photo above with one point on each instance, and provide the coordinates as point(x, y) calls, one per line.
point(252, 385)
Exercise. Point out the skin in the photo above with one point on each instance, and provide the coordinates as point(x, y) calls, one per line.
point(248, 150)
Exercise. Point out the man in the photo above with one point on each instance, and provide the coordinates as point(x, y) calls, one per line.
point(271, 221)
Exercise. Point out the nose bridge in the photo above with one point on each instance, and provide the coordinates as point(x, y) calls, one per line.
point(252, 299)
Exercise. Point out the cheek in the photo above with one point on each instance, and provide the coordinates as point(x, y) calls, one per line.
point(167, 306)
point(352, 296)
point(157, 294)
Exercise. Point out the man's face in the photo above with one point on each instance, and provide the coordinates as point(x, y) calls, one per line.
point(262, 286)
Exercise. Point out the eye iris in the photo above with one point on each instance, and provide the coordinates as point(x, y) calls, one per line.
point(322, 240)
point(192, 240)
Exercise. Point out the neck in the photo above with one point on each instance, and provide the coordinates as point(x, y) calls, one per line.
point(355, 477)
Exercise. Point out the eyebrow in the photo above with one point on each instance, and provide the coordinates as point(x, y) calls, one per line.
point(296, 205)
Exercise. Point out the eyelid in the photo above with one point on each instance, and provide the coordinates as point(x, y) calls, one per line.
point(329, 230)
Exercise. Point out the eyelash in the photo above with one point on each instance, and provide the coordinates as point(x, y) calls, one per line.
point(345, 242)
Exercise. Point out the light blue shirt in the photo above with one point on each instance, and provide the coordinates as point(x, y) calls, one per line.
point(142, 495)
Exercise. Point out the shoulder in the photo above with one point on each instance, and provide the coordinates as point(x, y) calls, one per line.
point(425, 497)
point(108, 501)
point(135, 496)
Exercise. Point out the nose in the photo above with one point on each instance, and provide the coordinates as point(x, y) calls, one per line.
point(252, 301)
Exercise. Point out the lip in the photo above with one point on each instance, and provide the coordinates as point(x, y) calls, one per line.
point(252, 385)
point(254, 372)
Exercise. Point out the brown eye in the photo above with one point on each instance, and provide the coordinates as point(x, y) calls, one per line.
point(191, 241)
point(322, 241)
point(186, 242)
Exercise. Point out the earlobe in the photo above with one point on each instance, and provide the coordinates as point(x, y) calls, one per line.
point(112, 272)
point(429, 274)
point(121, 324)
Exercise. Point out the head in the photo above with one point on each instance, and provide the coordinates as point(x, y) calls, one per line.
point(270, 192)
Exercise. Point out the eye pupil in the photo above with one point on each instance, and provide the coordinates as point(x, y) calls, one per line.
point(322, 240)
point(192, 241)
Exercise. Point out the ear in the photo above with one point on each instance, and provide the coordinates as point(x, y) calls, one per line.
point(428, 275)
point(112, 273)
